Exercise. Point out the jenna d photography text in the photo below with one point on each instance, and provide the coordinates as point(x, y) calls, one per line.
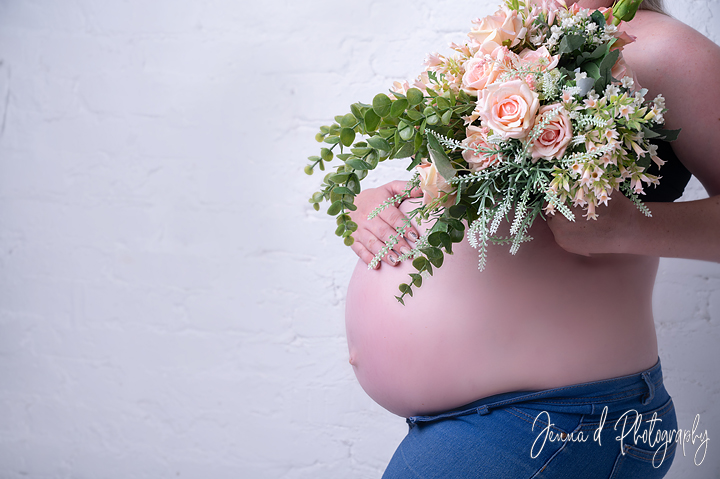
point(630, 431)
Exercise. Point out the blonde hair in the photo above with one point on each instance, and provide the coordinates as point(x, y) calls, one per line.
point(653, 6)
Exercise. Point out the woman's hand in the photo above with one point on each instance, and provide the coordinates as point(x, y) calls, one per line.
point(371, 235)
point(615, 226)
point(687, 229)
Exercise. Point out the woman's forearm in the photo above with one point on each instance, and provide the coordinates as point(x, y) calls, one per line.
point(678, 230)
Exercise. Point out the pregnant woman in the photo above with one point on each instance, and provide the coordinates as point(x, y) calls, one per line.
point(545, 365)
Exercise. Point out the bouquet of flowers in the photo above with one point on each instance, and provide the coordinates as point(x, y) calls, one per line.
point(537, 111)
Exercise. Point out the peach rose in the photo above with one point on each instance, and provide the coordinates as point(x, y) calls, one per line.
point(508, 108)
point(433, 184)
point(494, 30)
point(533, 57)
point(556, 136)
point(480, 72)
point(477, 138)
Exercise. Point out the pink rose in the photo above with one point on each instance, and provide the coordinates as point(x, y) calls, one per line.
point(477, 138)
point(493, 31)
point(533, 57)
point(480, 72)
point(556, 136)
point(508, 108)
point(433, 184)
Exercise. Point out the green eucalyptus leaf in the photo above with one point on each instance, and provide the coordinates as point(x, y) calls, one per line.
point(326, 154)
point(442, 103)
point(382, 104)
point(598, 18)
point(415, 115)
point(342, 190)
point(405, 289)
point(420, 263)
point(353, 182)
point(348, 121)
point(358, 164)
point(339, 178)
point(347, 136)
point(356, 110)
point(445, 118)
point(332, 139)
point(456, 235)
point(457, 211)
point(414, 96)
point(349, 240)
point(570, 43)
point(361, 151)
point(406, 131)
point(406, 150)
point(335, 208)
point(372, 120)
point(440, 238)
point(455, 224)
point(380, 143)
point(398, 107)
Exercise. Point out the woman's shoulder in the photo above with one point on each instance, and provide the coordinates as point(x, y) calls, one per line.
point(663, 43)
point(677, 61)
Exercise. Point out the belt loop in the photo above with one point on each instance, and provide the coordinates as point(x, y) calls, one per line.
point(483, 410)
point(651, 389)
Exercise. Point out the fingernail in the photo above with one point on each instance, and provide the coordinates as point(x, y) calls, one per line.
point(412, 235)
point(404, 250)
point(392, 259)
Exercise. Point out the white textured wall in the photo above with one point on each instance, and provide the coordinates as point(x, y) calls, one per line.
point(170, 306)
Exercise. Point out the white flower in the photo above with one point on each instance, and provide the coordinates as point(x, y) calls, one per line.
point(659, 102)
point(627, 82)
point(591, 28)
point(611, 91)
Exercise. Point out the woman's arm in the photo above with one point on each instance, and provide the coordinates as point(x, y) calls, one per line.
point(675, 60)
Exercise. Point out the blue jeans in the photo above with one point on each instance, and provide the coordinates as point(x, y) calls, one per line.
point(616, 428)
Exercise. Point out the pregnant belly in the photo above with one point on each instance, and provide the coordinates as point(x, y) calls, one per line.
point(527, 322)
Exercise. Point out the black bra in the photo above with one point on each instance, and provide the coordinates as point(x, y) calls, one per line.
point(674, 176)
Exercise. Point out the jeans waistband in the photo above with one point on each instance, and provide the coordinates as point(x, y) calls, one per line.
point(620, 393)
